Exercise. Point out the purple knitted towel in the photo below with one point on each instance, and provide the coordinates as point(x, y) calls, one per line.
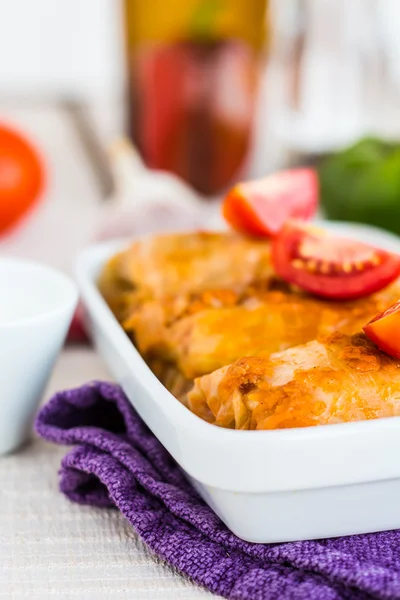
point(118, 462)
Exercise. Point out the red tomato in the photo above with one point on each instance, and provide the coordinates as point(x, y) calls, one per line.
point(21, 177)
point(331, 266)
point(384, 330)
point(262, 207)
point(77, 333)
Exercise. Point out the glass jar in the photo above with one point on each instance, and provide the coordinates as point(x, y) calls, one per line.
point(193, 72)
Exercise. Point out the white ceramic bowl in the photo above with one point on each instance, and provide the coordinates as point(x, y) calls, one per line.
point(36, 306)
point(267, 486)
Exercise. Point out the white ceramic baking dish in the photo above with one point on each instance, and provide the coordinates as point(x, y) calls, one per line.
point(267, 486)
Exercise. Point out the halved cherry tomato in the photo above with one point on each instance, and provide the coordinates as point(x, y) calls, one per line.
point(21, 177)
point(384, 330)
point(331, 266)
point(262, 207)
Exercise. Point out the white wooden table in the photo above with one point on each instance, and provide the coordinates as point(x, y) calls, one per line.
point(49, 547)
point(53, 549)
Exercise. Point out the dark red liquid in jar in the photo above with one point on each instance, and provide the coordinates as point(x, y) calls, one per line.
point(191, 109)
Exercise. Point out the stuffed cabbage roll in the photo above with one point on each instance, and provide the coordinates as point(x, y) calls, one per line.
point(341, 378)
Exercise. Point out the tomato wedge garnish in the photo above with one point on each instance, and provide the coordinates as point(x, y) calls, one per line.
point(330, 266)
point(262, 207)
point(384, 330)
